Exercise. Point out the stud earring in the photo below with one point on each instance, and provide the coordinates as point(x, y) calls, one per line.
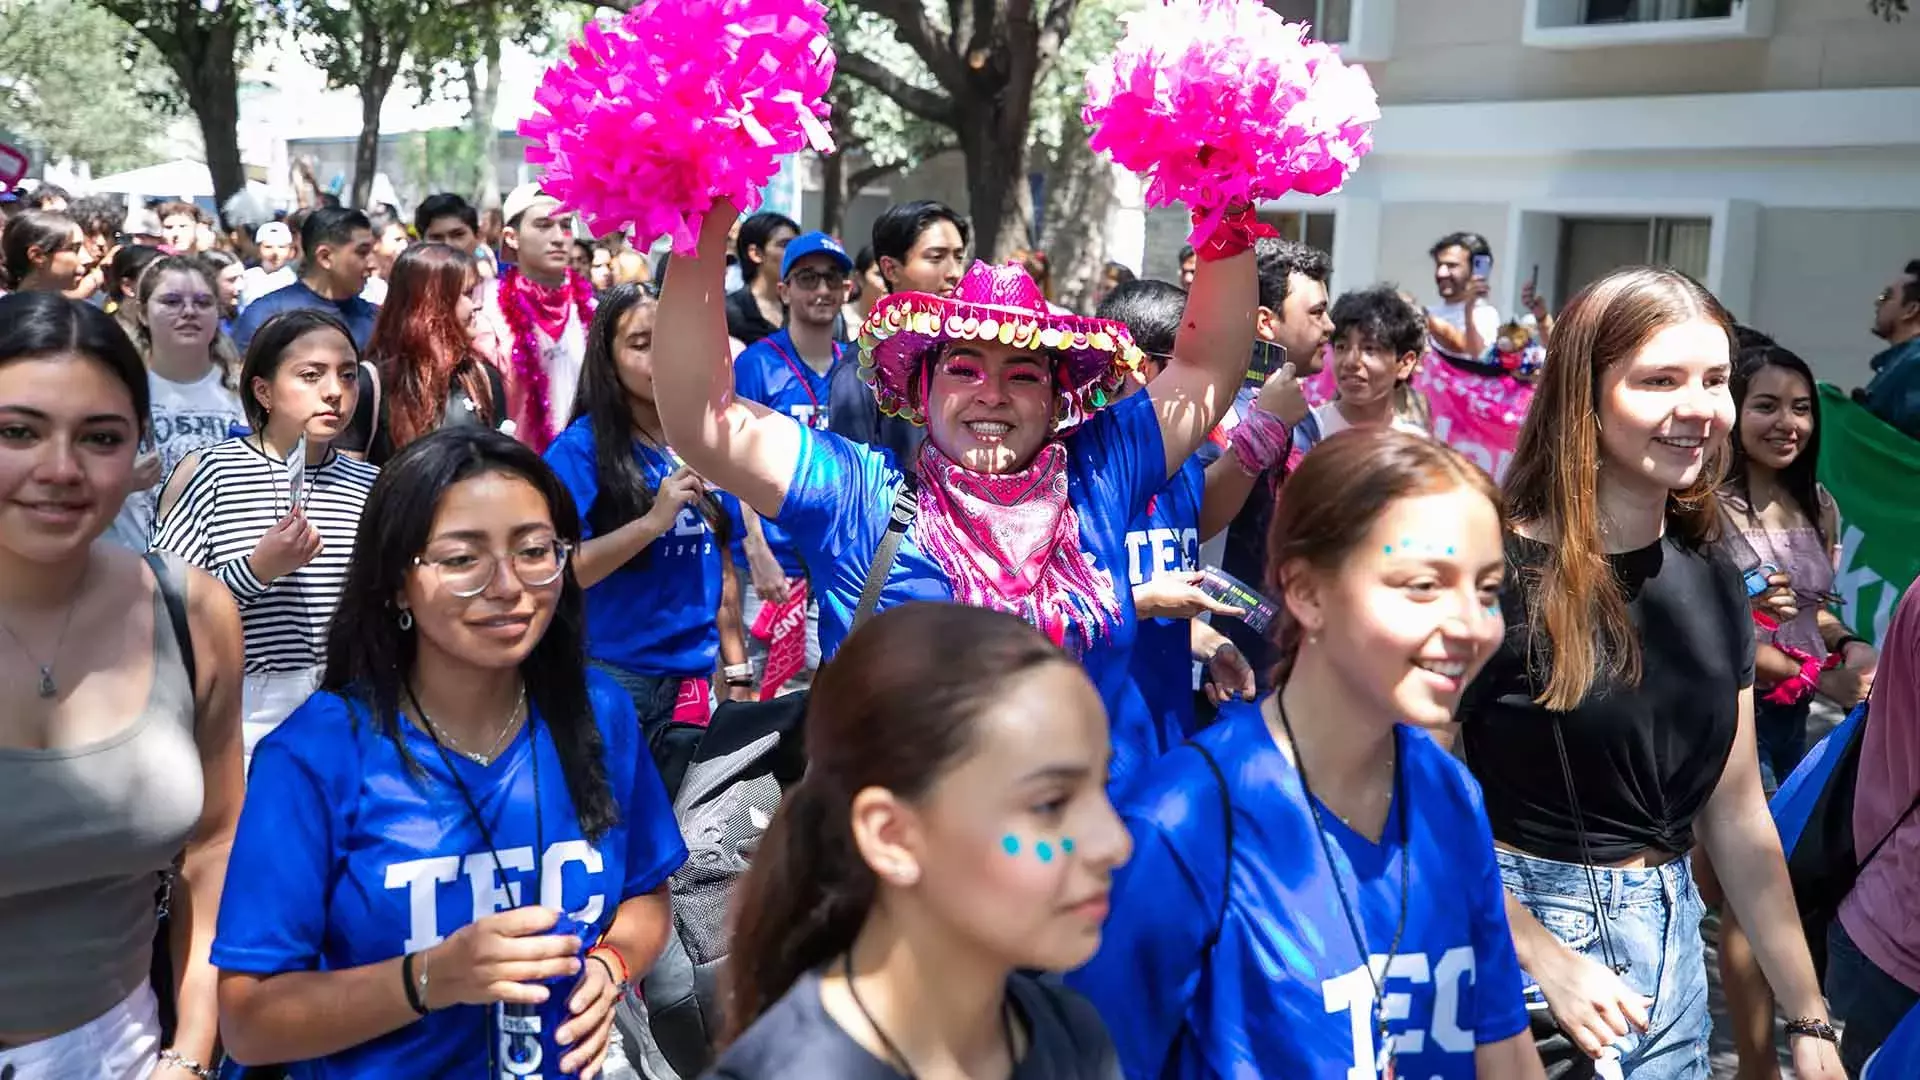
point(406, 619)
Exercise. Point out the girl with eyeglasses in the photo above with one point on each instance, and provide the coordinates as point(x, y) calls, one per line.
point(273, 513)
point(455, 855)
point(191, 372)
point(662, 595)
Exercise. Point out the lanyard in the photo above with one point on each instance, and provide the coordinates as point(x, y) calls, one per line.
point(818, 419)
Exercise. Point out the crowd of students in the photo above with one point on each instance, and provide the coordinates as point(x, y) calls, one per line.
point(364, 586)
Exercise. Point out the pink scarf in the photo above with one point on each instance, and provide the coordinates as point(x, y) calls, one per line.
point(1011, 542)
point(530, 310)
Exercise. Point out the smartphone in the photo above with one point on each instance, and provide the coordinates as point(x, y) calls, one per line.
point(1756, 579)
point(1224, 587)
point(1533, 280)
point(297, 474)
point(1268, 357)
point(1483, 266)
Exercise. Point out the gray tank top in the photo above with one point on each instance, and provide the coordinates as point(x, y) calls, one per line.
point(84, 833)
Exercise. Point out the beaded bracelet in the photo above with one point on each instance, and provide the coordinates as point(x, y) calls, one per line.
point(180, 1061)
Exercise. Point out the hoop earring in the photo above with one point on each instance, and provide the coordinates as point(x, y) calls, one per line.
point(406, 619)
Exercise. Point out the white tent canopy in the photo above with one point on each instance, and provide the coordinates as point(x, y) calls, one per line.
point(178, 179)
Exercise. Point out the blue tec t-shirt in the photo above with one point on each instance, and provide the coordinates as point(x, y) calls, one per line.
point(1166, 540)
point(841, 497)
point(1285, 991)
point(345, 858)
point(657, 614)
point(771, 372)
point(355, 311)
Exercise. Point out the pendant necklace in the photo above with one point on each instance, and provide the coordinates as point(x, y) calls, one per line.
point(48, 688)
point(1383, 1060)
point(443, 739)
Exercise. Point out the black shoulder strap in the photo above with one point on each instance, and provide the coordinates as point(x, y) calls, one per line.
point(173, 593)
point(905, 506)
point(1226, 817)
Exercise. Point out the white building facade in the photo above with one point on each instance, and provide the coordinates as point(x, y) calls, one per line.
point(1769, 147)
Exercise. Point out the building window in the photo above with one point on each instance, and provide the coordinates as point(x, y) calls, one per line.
point(1605, 12)
point(1332, 20)
point(1313, 230)
point(1593, 247)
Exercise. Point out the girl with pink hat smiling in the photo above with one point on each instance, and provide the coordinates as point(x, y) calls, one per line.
point(1012, 513)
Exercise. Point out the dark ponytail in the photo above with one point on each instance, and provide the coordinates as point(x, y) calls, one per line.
point(894, 709)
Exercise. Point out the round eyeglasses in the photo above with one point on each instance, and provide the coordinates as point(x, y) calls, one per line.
point(466, 572)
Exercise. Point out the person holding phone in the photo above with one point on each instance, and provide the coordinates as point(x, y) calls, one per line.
point(1463, 324)
point(281, 546)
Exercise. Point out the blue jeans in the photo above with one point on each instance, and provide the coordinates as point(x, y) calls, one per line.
point(1780, 731)
point(1652, 920)
point(654, 696)
point(1870, 1002)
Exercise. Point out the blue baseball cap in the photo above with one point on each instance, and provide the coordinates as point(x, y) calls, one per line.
point(814, 243)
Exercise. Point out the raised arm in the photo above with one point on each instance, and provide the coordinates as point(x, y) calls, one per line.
point(1209, 357)
point(737, 445)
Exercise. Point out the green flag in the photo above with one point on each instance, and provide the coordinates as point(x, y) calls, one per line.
point(1873, 472)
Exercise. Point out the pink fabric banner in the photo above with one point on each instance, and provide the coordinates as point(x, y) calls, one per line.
point(1475, 414)
point(784, 628)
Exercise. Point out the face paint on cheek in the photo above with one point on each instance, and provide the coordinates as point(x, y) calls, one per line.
point(1043, 850)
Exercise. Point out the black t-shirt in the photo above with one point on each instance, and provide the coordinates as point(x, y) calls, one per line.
point(744, 320)
point(1244, 555)
point(797, 1040)
point(1643, 759)
point(375, 441)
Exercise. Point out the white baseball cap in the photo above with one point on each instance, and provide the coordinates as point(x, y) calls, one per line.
point(273, 232)
point(524, 198)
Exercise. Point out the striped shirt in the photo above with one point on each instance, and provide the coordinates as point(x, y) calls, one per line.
point(234, 497)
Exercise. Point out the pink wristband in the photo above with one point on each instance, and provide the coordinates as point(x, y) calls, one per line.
point(1260, 442)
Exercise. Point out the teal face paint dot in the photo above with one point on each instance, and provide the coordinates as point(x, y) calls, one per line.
point(1044, 850)
point(1066, 844)
point(1389, 549)
point(1449, 550)
point(1010, 844)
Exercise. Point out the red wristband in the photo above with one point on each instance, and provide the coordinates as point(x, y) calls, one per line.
point(624, 974)
point(1235, 232)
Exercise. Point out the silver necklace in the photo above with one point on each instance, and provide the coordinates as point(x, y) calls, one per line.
point(48, 689)
point(478, 759)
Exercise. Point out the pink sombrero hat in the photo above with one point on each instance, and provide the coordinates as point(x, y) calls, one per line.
point(993, 303)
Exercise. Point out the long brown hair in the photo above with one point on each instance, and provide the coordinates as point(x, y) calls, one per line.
point(894, 709)
point(419, 346)
point(1337, 495)
point(1553, 484)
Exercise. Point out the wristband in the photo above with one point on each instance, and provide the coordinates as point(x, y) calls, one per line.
point(1260, 442)
point(600, 952)
point(1233, 233)
point(1812, 1027)
point(1840, 647)
point(416, 994)
point(733, 672)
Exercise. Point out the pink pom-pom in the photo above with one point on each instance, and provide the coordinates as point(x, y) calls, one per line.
point(647, 122)
point(1218, 100)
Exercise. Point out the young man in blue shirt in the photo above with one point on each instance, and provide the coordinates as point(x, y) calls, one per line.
point(1894, 393)
point(789, 372)
point(338, 258)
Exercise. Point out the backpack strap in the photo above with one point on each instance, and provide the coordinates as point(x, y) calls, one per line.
point(373, 380)
point(1226, 817)
point(905, 505)
point(173, 593)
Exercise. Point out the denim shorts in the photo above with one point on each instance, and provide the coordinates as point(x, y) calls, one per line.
point(1652, 921)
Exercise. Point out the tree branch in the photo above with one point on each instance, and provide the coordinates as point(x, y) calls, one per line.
point(869, 176)
point(918, 33)
point(928, 105)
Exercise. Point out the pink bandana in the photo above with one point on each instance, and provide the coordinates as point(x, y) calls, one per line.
point(1011, 542)
point(531, 309)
